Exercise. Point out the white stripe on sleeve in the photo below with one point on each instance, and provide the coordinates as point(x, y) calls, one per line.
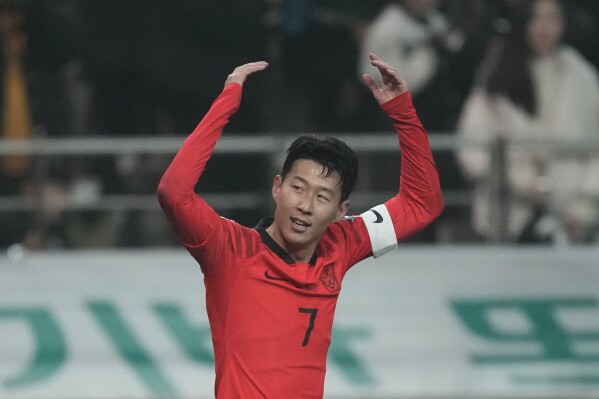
point(380, 229)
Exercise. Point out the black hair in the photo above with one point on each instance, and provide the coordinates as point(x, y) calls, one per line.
point(333, 154)
point(511, 75)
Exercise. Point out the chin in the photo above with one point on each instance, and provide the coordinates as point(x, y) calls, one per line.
point(294, 239)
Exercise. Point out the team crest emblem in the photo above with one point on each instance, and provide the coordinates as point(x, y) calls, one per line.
point(328, 279)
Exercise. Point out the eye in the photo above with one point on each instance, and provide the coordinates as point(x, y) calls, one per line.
point(297, 189)
point(322, 198)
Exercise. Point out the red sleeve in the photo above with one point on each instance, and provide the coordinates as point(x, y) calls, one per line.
point(417, 203)
point(419, 200)
point(193, 220)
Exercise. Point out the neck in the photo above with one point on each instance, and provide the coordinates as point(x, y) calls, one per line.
point(301, 253)
point(547, 53)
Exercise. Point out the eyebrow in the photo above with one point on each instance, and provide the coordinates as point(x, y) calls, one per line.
point(319, 187)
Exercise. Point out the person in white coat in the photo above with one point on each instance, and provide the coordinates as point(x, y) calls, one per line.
point(536, 88)
point(405, 31)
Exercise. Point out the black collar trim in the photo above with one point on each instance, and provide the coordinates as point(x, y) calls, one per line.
point(272, 244)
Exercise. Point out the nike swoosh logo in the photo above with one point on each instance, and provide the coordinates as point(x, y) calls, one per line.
point(379, 218)
point(268, 276)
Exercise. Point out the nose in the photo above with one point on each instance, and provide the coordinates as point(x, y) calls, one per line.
point(305, 204)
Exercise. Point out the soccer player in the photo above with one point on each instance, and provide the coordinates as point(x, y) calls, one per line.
point(271, 291)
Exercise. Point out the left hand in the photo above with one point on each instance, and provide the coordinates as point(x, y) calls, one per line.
point(243, 71)
point(393, 85)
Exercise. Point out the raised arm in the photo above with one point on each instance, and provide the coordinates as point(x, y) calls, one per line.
point(419, 200)
point(192, 219)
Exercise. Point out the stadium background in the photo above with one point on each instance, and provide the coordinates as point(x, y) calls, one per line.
point(98, 301)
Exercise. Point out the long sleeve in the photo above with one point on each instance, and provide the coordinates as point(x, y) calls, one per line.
point(192, 219)
point(419, 200)
point(476, 122)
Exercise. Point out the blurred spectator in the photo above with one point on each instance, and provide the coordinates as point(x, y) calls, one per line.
point(154, 68)
point(147, 64)
point(323, 95)
point(425, 47)
point(85, 227)
point(533, 86)
point(16, 118)
point(34, 49)
point(48, 228)
point(583, 30)
point(36, 45)
point(13, 224)
point(418, 40)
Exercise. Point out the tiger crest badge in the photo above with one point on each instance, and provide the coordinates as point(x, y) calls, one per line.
point(328, 278)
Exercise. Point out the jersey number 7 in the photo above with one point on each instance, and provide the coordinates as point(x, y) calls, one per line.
point(312, 312)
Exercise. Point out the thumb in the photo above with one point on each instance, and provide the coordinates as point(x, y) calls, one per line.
point(371, 84)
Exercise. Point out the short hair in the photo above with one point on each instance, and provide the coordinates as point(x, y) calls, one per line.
point(333, 154)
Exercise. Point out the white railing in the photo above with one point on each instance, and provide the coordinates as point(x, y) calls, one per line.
point(272, 146)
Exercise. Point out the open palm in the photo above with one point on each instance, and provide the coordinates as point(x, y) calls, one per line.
point(392, 86)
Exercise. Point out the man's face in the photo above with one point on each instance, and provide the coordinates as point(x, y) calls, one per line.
point(307, 202)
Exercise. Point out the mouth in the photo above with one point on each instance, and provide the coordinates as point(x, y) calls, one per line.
point(300, 224)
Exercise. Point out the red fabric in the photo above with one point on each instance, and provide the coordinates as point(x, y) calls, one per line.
point(419, 201)
point(271, 318)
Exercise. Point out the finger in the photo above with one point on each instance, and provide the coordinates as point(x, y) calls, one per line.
point(386, 70)
point(370, 83)
point(373, 56)
point(253, 67)
point(381, 64)
point(243, 71)
point(257, 64)
point(376, 61)
point(256, 68)
point(251, 64)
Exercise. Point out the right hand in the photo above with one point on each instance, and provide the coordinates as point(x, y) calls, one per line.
point(393, 84)
point(243, 71)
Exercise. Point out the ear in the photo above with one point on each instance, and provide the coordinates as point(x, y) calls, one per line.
point(276, 187)
point(342, 211)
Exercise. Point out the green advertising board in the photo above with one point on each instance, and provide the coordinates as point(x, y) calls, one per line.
point(421, 321)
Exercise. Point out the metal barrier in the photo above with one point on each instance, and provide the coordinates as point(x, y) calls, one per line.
point(273, 147)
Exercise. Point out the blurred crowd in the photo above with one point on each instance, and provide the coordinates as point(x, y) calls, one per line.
point(482, 70)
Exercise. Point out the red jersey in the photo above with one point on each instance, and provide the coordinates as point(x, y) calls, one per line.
point(270, 316)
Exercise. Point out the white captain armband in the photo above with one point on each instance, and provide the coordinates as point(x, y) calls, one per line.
point(380, 229)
